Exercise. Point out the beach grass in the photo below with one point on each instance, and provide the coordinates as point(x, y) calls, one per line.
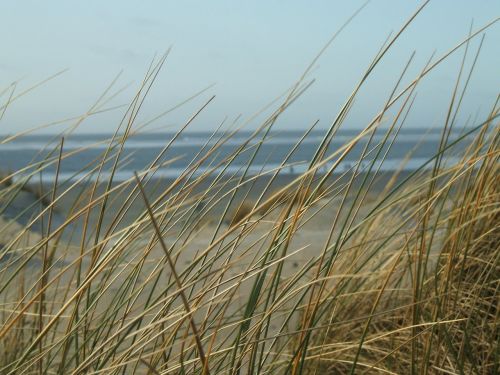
point(220, 273)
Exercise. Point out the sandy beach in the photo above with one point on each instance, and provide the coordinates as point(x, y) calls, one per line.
point(195, 239)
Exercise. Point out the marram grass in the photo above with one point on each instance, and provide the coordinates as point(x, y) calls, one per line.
point(224, 273)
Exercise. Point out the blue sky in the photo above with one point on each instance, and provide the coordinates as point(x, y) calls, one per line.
point(251, 51)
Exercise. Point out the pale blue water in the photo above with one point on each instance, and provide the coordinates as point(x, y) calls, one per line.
point(140, 150)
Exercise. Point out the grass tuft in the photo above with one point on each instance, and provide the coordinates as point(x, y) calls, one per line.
point(334, 270)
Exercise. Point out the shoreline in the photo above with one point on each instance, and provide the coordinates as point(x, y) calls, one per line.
point(24, 206)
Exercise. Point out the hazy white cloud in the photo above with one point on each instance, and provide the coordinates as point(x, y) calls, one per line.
point(117, 54)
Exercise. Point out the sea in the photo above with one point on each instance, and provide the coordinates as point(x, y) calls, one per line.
point(36, 155)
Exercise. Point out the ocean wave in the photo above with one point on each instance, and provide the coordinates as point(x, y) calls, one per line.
point(196, 141)
point(388, 165)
